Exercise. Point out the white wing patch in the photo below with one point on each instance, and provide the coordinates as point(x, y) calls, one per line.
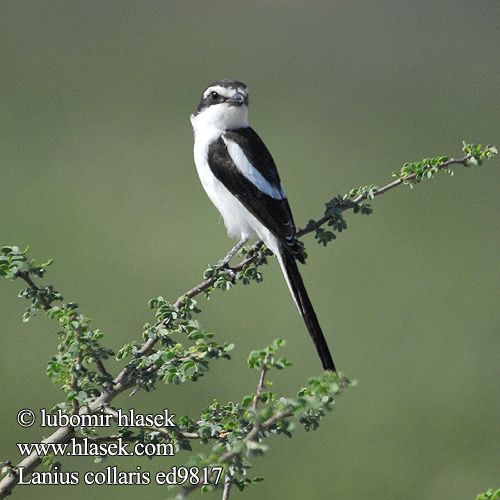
point(251, 173)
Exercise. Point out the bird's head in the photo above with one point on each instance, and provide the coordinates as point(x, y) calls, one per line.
point(223, 106)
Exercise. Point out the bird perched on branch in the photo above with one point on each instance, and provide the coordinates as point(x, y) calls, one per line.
point(242, 181)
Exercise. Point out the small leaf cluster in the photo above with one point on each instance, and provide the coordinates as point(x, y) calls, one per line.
point(317, 398)
point(51, 462)
point(14, 264)
point(489, 495)
point(266, 358)
point(241, 484)
point(249, 274)
point(224, 422)
point(335, 208)
point(226, 277)
point(476, 154)
point(414, 173)
point(363, 193)
point(12, 261)
point(174, 362)
point(79, 350)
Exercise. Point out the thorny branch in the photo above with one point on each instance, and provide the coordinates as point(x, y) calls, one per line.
point(123, 381)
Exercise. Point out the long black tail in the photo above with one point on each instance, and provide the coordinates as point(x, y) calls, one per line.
point(299, 293)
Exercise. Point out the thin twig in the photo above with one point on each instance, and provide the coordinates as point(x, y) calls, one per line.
point(24, 275)
point(261, 386)
point(252, 435)
point(228, 482)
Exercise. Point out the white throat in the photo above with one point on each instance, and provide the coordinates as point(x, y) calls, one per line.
point(220, 117)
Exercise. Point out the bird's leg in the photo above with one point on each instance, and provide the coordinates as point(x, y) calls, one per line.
point(233, 252)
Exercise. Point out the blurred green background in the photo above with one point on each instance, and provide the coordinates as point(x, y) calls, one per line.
point(97, 173)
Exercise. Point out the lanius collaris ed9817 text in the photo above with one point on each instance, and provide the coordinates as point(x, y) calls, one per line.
point(240, 177)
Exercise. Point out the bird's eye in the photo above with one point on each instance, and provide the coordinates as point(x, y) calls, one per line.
point(214, 96)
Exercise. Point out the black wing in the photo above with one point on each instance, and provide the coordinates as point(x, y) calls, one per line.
point(273, 212)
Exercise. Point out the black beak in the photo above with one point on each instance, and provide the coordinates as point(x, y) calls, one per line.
point(237, 100)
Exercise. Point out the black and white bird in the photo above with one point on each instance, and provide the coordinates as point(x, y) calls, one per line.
point(241, 179)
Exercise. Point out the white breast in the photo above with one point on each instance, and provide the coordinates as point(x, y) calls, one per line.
point(239, 222)
point(236, 217)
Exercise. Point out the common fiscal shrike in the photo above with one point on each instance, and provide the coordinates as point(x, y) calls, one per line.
point(240, 177)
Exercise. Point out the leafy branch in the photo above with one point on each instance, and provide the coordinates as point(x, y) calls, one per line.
point(236, 443)
point(175, 349)
point(489, 495)
point(409, 175)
